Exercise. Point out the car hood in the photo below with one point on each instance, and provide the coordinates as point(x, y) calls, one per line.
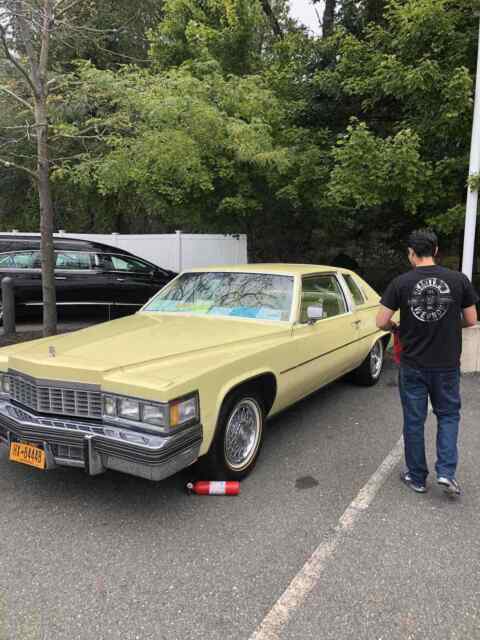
point(131, 343)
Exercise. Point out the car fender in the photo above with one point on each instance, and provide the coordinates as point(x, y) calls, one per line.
point(228, 387)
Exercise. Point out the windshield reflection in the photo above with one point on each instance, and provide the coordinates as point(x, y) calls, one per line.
point(245, 295)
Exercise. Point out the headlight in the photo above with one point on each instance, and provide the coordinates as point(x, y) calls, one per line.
point(109, 406)
point(129, 409)
point(5, 384)
point(160, 416)
point(182, 411)
point(155, 414)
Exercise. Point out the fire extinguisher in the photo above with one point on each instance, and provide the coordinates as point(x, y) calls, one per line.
point(397, 346)
point(214, 488)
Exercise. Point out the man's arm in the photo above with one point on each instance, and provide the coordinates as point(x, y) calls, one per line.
point(384, 319)
point(470, 316)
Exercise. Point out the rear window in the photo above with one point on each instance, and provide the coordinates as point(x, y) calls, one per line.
point(354, 289)
point(21, 260)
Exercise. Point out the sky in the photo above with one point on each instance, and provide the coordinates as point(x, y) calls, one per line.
point(304, 12)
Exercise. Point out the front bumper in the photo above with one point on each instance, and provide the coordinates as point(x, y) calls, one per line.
point(96, 446)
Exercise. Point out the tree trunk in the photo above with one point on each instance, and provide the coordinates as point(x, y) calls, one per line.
point(273, 19)
point(329, 18)
point(46, 220)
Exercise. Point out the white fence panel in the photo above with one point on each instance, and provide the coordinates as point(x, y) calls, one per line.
point(210, 250)
point(174, 251)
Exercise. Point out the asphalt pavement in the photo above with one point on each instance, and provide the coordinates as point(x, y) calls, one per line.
point(118, 557)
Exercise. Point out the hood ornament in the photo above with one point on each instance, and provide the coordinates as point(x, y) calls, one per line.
point(51, 351)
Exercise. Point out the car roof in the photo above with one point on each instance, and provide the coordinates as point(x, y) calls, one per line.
point(291, 269)
point(65, 242)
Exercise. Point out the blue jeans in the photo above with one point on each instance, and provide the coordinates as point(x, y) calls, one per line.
point(443, 387)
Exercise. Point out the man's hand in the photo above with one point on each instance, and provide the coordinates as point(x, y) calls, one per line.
point(384, 319)
point(469, 316)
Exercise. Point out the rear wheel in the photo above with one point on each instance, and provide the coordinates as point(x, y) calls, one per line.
point(369, 372)
point(239, 438)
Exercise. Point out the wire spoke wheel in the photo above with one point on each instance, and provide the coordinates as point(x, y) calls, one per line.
point(376, 359)
point(243, 434)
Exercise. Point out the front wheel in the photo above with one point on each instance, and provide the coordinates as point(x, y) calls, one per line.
point(369, 372)
point(238, 441)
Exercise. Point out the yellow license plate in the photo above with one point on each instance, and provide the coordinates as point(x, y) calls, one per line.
point(27, 454)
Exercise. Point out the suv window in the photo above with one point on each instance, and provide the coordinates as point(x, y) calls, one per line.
point(21, 260)
point(325, 292)
point(121, 263)
point(73, 260)
point(354, 289)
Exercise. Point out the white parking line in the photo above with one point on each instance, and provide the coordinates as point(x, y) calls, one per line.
point(308, 576)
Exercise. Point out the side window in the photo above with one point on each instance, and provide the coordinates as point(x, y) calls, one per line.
point(73, 260)
point(325, 292)
point(21, 260)
point(103, 261)
point(354, 289)
point(121, 263)
point(6, 262)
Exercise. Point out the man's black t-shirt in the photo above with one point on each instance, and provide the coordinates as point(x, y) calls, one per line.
point(430, 300)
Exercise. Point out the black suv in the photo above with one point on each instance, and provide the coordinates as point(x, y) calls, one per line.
point(87, 274)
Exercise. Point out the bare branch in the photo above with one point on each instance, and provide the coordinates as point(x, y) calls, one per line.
point(65, 9)
point(8, 164)
point(27, 38)
point(44, 49)
point(14, 61)
point(17, 97)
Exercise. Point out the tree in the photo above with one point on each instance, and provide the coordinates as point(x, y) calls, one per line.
point(25, 30)
point(328, 18)
point(29, 30)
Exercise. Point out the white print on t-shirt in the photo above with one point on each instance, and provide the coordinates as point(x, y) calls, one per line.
point(430, 300)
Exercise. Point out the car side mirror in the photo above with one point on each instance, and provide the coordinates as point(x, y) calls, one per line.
point(314, 314)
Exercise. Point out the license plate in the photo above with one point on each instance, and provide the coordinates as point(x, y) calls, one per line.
point(27, 454)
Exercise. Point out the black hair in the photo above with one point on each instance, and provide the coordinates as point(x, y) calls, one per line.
point(424, 242)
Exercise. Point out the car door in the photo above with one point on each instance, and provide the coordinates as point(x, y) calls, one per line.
point(75, 279)
point(326, 349)
point(133, 281)
point(364, 310)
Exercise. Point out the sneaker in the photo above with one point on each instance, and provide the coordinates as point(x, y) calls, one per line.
point(406, 478)
point(451, 487)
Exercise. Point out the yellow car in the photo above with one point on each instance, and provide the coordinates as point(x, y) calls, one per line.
point(194, 374)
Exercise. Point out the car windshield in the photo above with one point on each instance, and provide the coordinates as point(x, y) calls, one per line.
point(243, 295)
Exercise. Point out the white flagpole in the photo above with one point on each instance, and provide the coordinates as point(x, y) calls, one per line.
point(472, 196)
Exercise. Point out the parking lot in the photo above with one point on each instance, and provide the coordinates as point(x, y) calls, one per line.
point(117, 557)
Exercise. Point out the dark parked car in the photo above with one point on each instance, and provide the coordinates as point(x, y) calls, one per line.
point(87, 274)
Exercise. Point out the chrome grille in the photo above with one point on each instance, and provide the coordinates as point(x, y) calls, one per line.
point(49, 398)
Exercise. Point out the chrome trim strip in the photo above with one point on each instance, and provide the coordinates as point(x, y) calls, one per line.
point(70, 462)
point(106, 303)
point(327, 353)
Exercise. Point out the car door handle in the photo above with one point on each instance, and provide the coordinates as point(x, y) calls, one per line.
point(120, 279)
point(60, 277)
point(355, 323)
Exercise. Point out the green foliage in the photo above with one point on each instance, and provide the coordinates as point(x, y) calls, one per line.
point(371, 171)
point(192, 114)
point(229, 32)
point(176, 141)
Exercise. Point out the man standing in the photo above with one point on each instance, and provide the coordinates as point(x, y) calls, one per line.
point(432, 301)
